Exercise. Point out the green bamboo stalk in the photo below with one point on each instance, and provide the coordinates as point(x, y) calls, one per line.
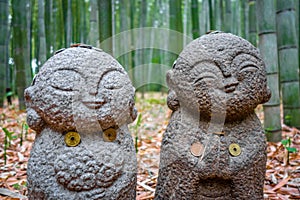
point(4, 27)
point(49, 31)
point(140, 54)
point(94, 25)
point(82, 18)
point(161, 54)
point(125, 60)
point(132, 26)
point(227, 17)
point(288, 61)
point(204, 17)
point(59, 25)
point(268, 48)
point(175, 23)
point(75, 21)
point(234, 17)
point(297, 5)
point(20, 49)
point(195, 19)
point(105, 24)
point(35, 37)
point(219, 14)
point(41, 33)
point(67, 11)
point(212, 25)
point(150, 41)
point(84, 21)
point(252, 23)
point(243, 19)
point(187, 22)
point(28, 48)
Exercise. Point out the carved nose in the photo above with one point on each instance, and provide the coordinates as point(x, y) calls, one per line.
point(230, 85)
point(93, 91)
point(94, 98)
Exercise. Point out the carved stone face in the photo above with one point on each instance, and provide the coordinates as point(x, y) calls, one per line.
point(220, 73)
point(80, 88)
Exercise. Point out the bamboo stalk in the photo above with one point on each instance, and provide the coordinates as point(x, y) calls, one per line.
point(3, 47)
point(195, 19)
point(252, 23)
point(288, 62)
point(228, 14)
point(20, 49)
point(268, 48)
point(105, 24)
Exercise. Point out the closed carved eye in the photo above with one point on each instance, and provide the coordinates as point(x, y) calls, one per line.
point(113, 80)
point(246, 71)
point(207, 78)
point(249, 68)
point(65, 80)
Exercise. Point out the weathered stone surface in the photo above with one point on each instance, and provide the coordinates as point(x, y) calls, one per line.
point(86, 91)
point(214, 146)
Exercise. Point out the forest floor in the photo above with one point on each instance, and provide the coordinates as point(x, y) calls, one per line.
point(282, 180)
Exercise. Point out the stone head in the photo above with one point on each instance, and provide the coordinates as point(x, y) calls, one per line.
point(219, 71)
point(78, 87)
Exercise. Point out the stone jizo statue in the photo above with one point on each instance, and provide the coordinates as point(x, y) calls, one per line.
point(214, 146)
point(80, 104)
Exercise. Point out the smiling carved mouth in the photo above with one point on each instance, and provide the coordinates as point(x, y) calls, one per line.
point(230, 87)
point(93, 104)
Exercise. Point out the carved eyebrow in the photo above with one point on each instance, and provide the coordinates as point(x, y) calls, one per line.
point(246, 54)
point(110, 70)
point(250, 54)
point(107, 72)
point(213, 62)
point(67, 69)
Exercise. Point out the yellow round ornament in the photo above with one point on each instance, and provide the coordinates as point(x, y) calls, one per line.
point(72, 139)
point(234, 149)
point(109, 135)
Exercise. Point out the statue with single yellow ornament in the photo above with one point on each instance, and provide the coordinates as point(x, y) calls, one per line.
point(80, 104)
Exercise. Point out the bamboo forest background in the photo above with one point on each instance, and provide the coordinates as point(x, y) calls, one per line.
point(146, 36)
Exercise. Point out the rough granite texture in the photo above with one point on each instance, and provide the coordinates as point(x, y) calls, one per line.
point(215, 85)
point(85, 90)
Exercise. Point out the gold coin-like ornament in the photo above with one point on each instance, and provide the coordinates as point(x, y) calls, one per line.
point(196, 149)
point(109, 135)
point(235, 149)
point(72, 139)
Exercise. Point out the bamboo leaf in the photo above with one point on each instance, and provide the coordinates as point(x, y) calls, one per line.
point(284, 142)
point(291, 149)
point(139, 120)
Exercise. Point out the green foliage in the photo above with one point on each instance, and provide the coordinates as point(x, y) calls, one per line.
point(7, 139)
point(156, 101)
point(25, 127)
point(287, 145)
point(17, 186)
point(8, 135)
point(287, 120)
point(268, 130)
point(20, 187)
